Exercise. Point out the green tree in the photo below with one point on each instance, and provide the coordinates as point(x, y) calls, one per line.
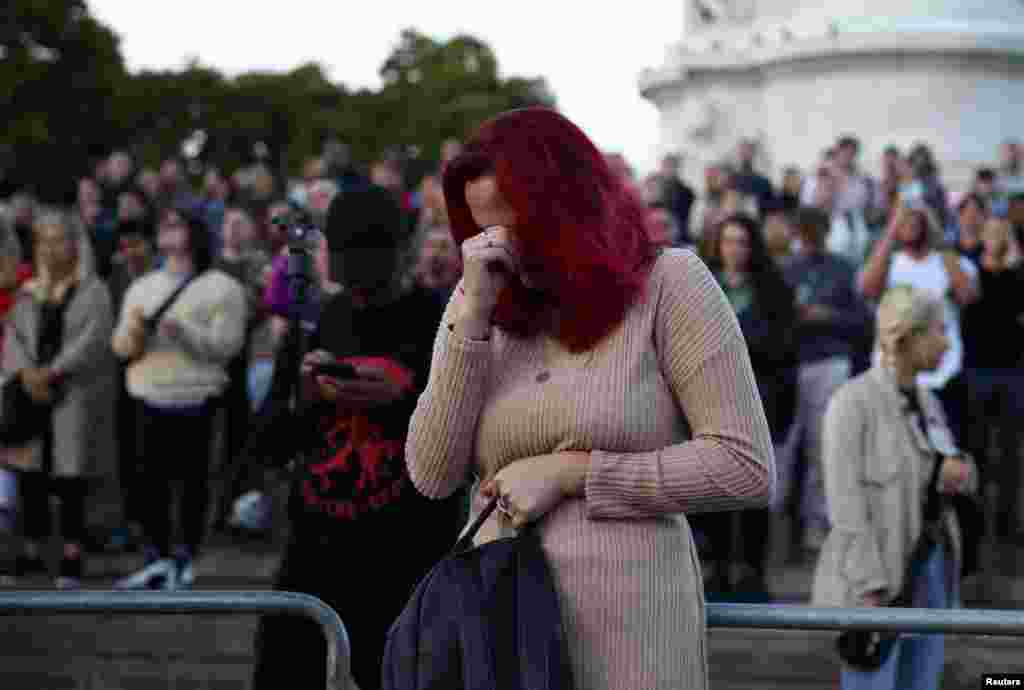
point(158, 109)
point(68, 100)
point(60, 70)
point(435, 91)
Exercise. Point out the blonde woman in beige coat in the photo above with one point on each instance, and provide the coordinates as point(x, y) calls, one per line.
point(57, 343)
point(883, 435)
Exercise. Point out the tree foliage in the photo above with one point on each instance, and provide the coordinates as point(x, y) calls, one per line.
point(60, 71)
point(69, 99)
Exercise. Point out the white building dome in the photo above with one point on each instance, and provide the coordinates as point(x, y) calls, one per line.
point(796, 75)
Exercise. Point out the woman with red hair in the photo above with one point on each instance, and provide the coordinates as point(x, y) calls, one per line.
point(598, 387)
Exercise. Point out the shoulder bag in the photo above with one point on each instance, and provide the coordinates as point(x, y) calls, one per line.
point(23, 420)
point(868, 650)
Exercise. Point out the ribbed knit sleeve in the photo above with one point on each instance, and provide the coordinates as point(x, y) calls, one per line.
point(439, 445)
point(729, 463)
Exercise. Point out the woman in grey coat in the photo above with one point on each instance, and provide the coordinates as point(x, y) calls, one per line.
point(883, 434)
point(58, 345)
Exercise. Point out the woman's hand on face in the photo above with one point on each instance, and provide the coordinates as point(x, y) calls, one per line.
point(489, 260)
point(532, 487)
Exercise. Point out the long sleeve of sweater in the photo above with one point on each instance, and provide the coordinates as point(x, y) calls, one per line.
point(439, 445)
point(729, 462)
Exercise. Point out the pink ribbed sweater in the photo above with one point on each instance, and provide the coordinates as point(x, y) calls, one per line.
point(623, 561)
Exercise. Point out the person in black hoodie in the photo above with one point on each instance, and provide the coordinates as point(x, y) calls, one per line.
point(352, 501)
point(765, 307)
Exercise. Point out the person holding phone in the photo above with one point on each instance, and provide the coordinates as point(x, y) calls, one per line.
point(352, 504)
point(600, 389)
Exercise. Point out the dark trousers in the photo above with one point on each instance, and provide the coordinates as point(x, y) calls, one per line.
point(291, 651)
point(720, 529)
point(175, 445)
point(996, 403)
point(36, 489)
point(133, 499)
point(969, 512)
point(233, 472)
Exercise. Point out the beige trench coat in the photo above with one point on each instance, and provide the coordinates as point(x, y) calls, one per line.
point(84, 424)
point(877, 467)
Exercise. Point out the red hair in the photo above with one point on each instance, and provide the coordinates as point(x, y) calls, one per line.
point(574, 217)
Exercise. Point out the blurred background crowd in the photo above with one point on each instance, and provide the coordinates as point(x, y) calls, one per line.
point(803, 260)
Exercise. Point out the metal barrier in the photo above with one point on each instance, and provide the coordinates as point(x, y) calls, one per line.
point(763, 616)
point(789, 616)
point(207, 602)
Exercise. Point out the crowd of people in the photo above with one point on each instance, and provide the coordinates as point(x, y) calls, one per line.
point(150, 324)
point(806, 278)
point(81, 290)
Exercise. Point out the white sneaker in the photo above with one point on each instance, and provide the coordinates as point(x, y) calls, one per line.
point(160, 575)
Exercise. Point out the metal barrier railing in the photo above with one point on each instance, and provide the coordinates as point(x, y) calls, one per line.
point(100, 602)
point(790, 616)
point(763, 616)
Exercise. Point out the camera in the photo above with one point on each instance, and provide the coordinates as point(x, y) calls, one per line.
point(298, 228)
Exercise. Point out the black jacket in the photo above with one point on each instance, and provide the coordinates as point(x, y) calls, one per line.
point(486, 618)
point(769, 328)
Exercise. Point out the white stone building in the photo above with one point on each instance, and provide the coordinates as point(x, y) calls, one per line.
point(795, 74)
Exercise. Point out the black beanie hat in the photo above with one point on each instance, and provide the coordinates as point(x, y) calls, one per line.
point(364, 218)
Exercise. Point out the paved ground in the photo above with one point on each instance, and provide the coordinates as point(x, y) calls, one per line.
point(215, 652)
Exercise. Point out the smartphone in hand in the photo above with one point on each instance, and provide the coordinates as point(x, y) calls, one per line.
point(335, 370)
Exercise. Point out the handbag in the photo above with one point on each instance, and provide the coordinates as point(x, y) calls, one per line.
point(485, 617)
point(868, 650)
point(22, 419)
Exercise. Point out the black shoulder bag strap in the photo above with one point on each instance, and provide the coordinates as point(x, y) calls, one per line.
point(153, 321)
point(931, 523)
point(465, 542)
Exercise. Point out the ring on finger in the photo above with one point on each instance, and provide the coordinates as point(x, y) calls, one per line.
point(505, 507)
